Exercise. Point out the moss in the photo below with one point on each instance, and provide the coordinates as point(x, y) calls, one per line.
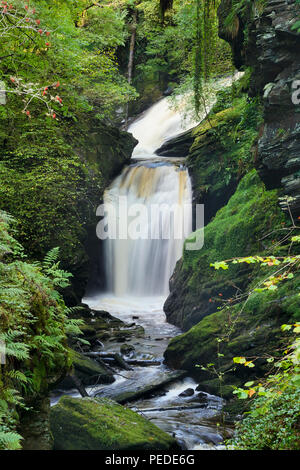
point(221, 152)
point(90, 424)
point(256, 333)
point(225, 117)
point(90, 372)
point(196, 288)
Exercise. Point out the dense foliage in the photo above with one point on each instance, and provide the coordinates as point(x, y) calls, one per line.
point(62, 81)
point(61, 43)
point(201, 55)
point(72, 68)
point(273, 422)
point(33, 329)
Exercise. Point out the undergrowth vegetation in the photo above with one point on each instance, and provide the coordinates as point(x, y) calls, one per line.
point(33, 329)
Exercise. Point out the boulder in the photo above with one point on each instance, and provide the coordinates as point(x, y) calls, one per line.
point(89, 372)
point(144, 389)
point(178, 146)
point(187, 393)
point(127, 350)
point(101, 424)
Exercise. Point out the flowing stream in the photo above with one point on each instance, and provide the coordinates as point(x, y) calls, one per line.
point(138, 269)
point(147, 217)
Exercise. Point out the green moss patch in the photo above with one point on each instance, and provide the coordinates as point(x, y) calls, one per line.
point(94, 424)
point(197, 289)
point(256, 333)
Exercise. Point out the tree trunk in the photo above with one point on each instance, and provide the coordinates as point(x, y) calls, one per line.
point(78, 384)
point(131, 57)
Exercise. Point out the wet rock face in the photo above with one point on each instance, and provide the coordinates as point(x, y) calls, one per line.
point(35, 426)
point(187, 393)
point(273, 52)
point(177, 146)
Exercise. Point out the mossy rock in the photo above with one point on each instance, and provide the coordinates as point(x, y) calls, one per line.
point(256, 334)
point(221, 152)
point(142, 391)
point(88, 371)
point(197, 289)
point(94, 424)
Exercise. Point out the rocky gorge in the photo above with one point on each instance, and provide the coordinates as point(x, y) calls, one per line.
point(196, 302)
point(153, 342)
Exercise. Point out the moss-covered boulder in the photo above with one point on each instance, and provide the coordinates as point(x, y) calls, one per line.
point(94, 424)
point(88, 371)
point(238, 229)
point(251, 330)
point(91, 372)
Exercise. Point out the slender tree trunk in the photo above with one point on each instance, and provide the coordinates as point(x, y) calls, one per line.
point(132, 46)
point(131, 57)
point(78, 384)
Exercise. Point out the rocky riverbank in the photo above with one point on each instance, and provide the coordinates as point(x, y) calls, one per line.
point(133, 374)
point(250, 221)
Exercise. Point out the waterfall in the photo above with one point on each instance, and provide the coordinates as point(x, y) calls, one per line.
point(161, 189)
point(144, 266)
point(141, 266)
point(159, 123)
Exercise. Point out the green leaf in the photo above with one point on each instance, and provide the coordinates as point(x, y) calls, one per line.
point(249, 384)
point(239, 360)
point(220, 265)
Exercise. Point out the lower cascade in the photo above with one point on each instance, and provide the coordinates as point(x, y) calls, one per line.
point(161, 195)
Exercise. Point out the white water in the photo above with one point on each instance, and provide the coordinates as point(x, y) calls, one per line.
point(159, 123)
point(138, 273)
point(143, 265)
point(163, 121)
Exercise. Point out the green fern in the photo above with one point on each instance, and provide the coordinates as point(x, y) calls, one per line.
point(10, 440)
point(51, 258)
point(33, 327)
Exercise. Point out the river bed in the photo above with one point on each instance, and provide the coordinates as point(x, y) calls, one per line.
point(199, 428)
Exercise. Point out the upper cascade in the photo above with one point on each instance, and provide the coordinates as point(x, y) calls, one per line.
point(158, 124)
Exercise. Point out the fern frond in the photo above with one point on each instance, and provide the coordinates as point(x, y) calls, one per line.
point(18, 375)
point(10, 440)
point(51, 258)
